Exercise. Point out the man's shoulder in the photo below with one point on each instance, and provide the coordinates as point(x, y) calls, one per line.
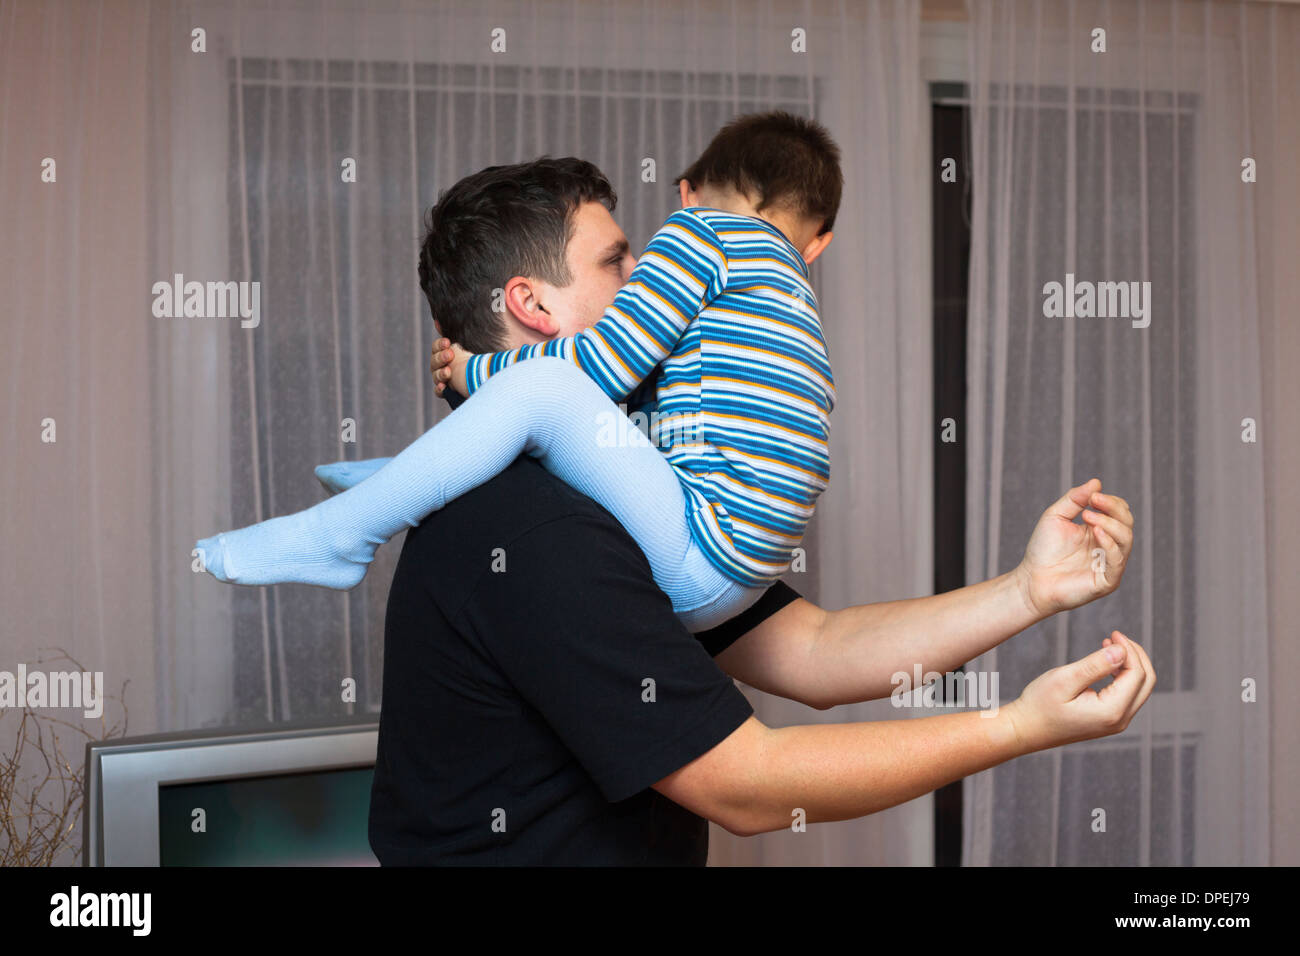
point(467, 535)
point(521, 498)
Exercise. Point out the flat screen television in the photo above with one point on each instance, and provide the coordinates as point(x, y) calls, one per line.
point(292, 795)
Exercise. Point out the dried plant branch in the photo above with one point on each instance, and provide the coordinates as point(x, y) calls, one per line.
point(40, 811)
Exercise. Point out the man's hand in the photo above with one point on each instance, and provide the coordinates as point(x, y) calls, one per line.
point(447, 364)
point(1067, 564)
point(1059, 707)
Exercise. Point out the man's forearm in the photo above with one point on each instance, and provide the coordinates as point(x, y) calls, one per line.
point(860, 648)
point(843, 771)
point(826, 658)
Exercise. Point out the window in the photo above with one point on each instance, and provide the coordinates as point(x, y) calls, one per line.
point(1162, 591)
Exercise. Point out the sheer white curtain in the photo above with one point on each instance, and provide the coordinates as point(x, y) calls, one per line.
point(1126, 166)
point(208, 139)
point(78, 568)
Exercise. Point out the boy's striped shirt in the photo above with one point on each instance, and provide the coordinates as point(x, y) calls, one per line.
point(723, 302)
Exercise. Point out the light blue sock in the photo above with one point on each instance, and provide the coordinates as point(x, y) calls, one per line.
point(342, 475)
point(333, 543)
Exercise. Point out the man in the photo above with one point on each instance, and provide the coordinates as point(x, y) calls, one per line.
point(542, 704)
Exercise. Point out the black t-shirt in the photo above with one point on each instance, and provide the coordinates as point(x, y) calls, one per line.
point(536, 683)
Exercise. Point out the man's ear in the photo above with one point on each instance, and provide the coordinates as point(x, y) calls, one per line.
point(522, 300)
point(816, 247)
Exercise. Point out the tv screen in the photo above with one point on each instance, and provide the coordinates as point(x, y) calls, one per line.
point(299, 819)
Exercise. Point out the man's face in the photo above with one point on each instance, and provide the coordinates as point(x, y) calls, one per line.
point(600, 262)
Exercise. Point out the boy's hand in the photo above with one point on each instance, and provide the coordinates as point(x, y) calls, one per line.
point(1059, 707)
point(447, 364)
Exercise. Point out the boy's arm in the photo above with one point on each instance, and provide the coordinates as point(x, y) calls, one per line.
point(681, 270)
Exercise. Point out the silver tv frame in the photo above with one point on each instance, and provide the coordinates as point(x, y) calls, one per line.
point(120, 825)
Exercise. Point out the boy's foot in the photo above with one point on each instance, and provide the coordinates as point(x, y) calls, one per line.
point(298, 548)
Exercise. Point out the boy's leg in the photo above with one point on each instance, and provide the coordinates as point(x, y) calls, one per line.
point(341, 475)
point(585, 439)
point(545, 407)
point(726, 602)
point(332, 543)
point(729, 602)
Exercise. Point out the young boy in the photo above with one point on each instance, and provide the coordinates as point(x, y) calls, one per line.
point(721, 298)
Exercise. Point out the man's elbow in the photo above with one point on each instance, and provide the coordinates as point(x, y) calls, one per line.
point(740, 818)
point(743, 799)
point(737, 827)
point(812, 699)
point(725, 785)
point(749, 822)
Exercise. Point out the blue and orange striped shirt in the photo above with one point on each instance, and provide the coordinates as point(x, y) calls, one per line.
point(742, 406)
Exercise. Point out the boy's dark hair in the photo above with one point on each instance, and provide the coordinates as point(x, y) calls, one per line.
point(775, 159)
point(501, 222)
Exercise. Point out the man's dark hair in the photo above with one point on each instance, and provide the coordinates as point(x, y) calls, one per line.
point(501, 222)
point(775, 159)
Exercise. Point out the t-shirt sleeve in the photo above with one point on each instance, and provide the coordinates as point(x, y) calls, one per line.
point(718, 639)
point(595, 648)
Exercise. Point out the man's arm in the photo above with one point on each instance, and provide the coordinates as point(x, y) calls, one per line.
point(825, 658)
point(759, 778)
point(756, 779)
